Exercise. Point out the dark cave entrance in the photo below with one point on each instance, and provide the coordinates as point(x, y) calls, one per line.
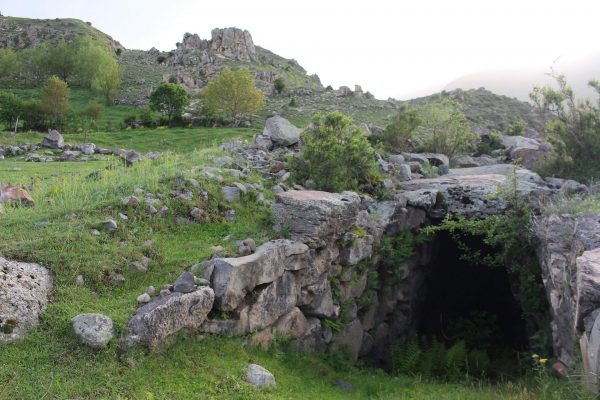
point(470, 302)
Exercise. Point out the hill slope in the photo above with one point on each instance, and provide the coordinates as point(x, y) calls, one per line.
point(23, 33)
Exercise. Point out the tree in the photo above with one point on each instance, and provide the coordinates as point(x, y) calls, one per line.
point(233, 93)
point(11, 107)
point(399, 134)
point(108, 80)
point(9, 62)
point(574, 130)
point(444, 129)
point(61, 59)
point(169, 99)
point(55, 100)
point(335, 155)
point(279, 85)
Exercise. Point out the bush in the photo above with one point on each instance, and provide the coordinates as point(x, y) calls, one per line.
point(399, 134)
point(335, 155)
point(279, 85)
point(574, 131)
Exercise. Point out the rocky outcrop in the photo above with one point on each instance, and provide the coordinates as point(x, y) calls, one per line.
point(529, 152)
point(569, 255)
point(233, 43)
point(166, 315)
point(24, 295)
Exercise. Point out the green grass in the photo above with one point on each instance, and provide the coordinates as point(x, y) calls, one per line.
point(179, 140)
point(49, 363)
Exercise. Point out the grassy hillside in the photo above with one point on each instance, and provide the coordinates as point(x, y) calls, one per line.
point(50, 363)
point(22, 33)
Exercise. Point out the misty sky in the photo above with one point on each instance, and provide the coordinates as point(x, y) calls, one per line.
point(391, 48)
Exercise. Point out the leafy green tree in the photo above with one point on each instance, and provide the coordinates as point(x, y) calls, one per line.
point(61, 59)
point(107, 80)
point(55, 100)
point(169, 99)
point(233, 93)
point(399, 134)
point(444, 129)
point(11, 107)
point(574, 130)
point(279, 85)
point(9, 62)
point(335, 155)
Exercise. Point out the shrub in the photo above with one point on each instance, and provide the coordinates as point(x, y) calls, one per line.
point(399, 134)
point(574, 130)
point(279, 85)
point(335, 155)
point(55, 100)
point(516, 128)
point(169, 99)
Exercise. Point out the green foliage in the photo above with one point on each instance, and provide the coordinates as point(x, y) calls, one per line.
point(399, 134)
point(9, 63)
point(107, 79)
point(61, 59)
point(574, 130)
point(93, 110)
point(335, 155)
point(169, 99)
point(396, 249)
point(516, 128)
point(279, 85)
point(430, 359)
point(234, 94)
point(55, 100)
point(444, 129)
point(10, 108)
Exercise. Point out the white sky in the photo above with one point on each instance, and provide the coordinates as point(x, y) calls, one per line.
point(391, 48)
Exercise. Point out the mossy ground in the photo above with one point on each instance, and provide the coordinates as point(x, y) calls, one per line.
point(50, 363)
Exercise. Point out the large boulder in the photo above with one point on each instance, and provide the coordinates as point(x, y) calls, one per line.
point(526, 150)
point(53, 140)
point(167, 315)
point(259, 376)
point(24, 294)
point(94, 330)
point(233, 278)
point(316, 218)
point(281, 131)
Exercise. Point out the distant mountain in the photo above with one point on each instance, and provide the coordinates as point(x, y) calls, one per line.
point(518, 83)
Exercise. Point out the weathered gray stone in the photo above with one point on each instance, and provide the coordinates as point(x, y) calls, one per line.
point(24, 294)
point(292, 324)
point(167, 315)
point(281, 131)
point(185, 283)
point(262, 142)
point(87, 148)
point(231, 193)
point(259, 376)
point(349, 338)
point(53, 140)
point(315, 339)
point(314, 217)
point(316, 299)
point(233, 278)
point(94, 330)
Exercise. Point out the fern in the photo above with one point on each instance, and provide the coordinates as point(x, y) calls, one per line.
point(455, 359)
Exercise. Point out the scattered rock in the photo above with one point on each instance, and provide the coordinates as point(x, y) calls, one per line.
point(231, 193)
point(259, 376)
point(94, 330)
point(79, 280)
point(130, 201)
point(24, 294)
point(144, 298)
point(110, 225)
